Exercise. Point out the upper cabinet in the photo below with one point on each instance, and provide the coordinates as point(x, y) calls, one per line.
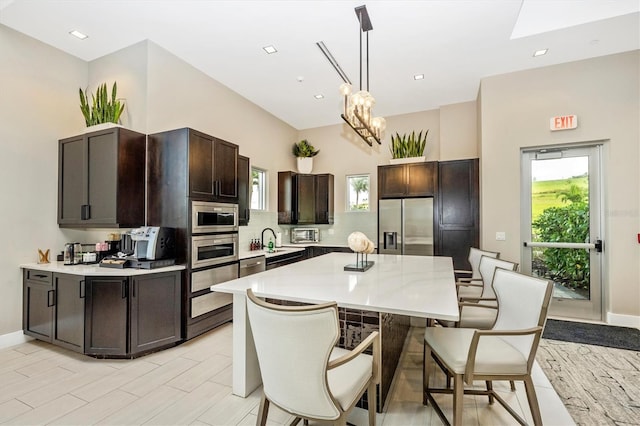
point(244, 190)
point(213, 168)
point(407, 180)
point(101, 179)
point(305, 199)
point(185, 163)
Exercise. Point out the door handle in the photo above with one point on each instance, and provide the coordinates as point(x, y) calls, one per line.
point(50, 298)
point(598, 246)
point(82, 293)
point(85, 212)
point(124, 289)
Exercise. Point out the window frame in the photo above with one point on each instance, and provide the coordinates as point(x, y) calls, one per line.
point(348, 179)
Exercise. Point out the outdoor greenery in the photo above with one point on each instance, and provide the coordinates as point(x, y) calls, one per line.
point(102, 109)
point(545, 193)
point(566, 222)
point(360, 185)
point(408, 145)
point(304, 149)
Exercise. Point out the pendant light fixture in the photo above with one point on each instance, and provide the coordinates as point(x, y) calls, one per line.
point(358, 106)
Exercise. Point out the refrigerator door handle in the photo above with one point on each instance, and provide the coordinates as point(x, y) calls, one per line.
point(390, 240)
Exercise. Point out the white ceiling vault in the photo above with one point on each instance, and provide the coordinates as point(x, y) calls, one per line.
point(454, 43)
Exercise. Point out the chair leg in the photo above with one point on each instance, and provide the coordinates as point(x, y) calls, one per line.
point(263, 411)
point(533, 401)
point(427, 367)
point(513, 385)
point(458, 393)
point(371, 399)
point(490, 390)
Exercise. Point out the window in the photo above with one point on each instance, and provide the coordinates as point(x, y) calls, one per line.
point(357, 193)
point(258, 189)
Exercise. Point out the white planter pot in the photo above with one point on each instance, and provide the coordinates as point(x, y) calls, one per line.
point(305, 164)
point(102, 126)
point(407, 160)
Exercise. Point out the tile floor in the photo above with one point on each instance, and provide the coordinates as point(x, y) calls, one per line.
point(191, 385)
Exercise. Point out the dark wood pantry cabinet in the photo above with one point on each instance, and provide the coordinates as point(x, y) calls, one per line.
point(101, 179)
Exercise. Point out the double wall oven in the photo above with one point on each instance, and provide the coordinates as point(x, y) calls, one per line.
point(213, 258)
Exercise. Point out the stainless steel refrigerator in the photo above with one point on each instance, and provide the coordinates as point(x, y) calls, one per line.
point(405, 226)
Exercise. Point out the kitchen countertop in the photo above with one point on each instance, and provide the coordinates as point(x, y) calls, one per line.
point(421, 286)
point(95, 270)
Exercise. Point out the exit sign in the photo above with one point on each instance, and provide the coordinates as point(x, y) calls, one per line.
point(563, 122)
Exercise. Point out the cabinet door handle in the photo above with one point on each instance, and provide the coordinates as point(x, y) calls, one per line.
point(85, 212)
point(51, 298)
point(124, 289)
point(82, 293)
point(133, 288)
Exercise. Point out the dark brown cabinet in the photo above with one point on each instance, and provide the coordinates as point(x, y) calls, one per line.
point(305, 199)
point(244, 190)
point(324, 199)
point(38, 301)
point(407, 180)
point(101, 179)
point(103, 316)
point(131, 316)
point(68, 312)
point(458, 210)
point(213, 167)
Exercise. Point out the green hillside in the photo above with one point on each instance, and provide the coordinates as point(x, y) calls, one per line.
point(544, 193)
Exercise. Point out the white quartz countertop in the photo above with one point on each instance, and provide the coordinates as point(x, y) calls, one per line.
point(95, 270)
point(421, 286)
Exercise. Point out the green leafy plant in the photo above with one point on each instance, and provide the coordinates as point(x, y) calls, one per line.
point(304, 149)
point(408, 145)
point(102, 109)
point(569, 223)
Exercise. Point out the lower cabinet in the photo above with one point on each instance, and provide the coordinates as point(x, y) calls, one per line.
point(37, 305)
point(103, 316)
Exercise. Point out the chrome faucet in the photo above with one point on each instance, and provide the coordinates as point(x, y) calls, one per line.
point(262, 236)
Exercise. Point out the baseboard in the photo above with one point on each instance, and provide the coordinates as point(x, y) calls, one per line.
point(623, 320)
point(12, 339)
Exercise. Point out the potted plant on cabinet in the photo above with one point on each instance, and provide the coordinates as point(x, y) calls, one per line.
point(408, 148)
point(104, 111)
point(304, 152)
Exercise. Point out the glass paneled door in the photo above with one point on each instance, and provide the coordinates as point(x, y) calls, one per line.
point(561, 229)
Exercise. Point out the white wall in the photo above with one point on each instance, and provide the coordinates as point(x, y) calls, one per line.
point(516, 107)
point(38, 105)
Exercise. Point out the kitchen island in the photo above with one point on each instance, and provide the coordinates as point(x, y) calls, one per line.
point(382, 298)
point(103, 312)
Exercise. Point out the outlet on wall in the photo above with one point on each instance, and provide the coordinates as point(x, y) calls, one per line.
point(501, 236)
point(331, 231)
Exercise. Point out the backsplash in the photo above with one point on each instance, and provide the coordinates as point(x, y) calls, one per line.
point(333, 235)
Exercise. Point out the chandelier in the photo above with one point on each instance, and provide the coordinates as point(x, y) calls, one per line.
point(358, 106)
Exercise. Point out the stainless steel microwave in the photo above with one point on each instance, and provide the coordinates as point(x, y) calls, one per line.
point(210, 250)
point(208, 217)
point(305, 235)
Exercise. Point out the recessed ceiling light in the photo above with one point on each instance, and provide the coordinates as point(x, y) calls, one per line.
point(418, 77)
point(269, 49)
point(78, 34)
point(540, 52)
point(318, 96)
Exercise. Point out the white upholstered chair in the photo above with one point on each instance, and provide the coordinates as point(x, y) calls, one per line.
point(469, 283)
point(481, 311)
point(506, 352)
point(303, 372)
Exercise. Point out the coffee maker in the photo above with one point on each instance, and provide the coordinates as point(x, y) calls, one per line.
point(153, 242)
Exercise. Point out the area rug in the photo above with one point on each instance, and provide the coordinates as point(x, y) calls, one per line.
point(593, 334)
point(598, 385)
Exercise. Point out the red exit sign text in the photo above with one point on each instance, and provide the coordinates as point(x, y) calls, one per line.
point(563, 122)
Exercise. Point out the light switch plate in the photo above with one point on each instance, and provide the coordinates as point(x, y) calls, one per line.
point(501, 236)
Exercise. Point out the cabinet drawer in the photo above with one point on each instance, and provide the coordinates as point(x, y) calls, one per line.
point(209, 302)
point(40, 276)
point(204, 279)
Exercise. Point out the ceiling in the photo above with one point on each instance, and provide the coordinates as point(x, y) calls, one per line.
point(454, 43)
